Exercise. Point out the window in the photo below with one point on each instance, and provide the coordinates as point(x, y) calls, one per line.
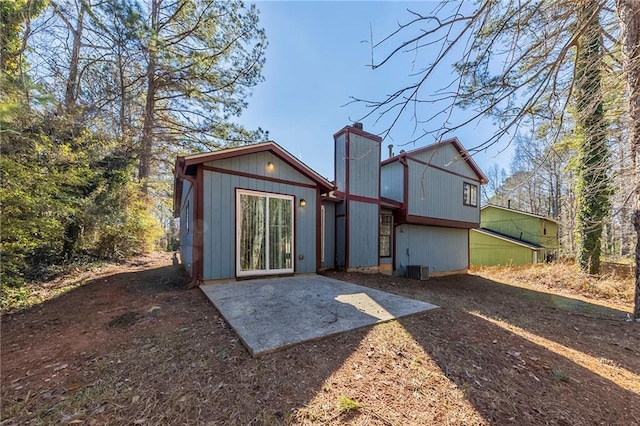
point(470, 195)
point(384, 244)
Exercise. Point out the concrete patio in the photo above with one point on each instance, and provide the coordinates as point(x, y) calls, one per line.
point(274, 313)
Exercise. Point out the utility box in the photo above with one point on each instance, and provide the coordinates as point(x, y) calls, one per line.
point(418, 272)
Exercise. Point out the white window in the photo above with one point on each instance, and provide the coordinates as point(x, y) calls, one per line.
point(470, 194)
point(264, 233)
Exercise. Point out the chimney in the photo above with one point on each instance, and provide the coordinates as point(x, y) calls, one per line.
point(357, 125)
point(390, 150)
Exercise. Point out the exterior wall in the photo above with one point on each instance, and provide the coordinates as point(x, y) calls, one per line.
point(187, 214)
point(219, 228)
point(340, 162)
point(329, 235)
point(549, 239)
point(341, 226)
point(447, 157)
point(438, 194)
point(363, 235)
point(256, 164)
point(441, 249)
point(358, 176)
point(487, 250)
point(520, 226)
point(392, 181)
point(364, 166)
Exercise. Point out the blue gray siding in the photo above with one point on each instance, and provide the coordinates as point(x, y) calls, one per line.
point(340, 162)
point(341, 234)
point(441, 249)
point(329, 235)
point(219, 227)
point(447, 157)
point(363, 234)
point(187, 213)
point(392, 181)
point(435, 193)
point(364, 166)
point(257, 164)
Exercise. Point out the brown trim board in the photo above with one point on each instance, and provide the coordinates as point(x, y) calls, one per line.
point(434, 221)
point(442, 169)
point(260, 177)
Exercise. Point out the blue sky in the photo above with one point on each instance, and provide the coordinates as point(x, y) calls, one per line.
point(317, 59)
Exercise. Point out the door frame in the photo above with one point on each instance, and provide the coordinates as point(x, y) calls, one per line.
point(266, 271)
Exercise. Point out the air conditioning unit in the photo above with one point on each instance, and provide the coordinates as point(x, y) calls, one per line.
point(418, 272)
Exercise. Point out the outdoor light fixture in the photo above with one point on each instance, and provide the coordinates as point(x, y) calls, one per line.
point(270, 166)
point(303, 202)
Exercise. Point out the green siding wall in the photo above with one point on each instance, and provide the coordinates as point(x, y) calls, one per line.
point(491, 251)
point(520, 226)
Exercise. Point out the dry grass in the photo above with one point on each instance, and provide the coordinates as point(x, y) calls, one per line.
point(494, 354)
point(566, 277)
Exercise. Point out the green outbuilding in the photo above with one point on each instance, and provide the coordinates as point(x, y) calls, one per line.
point(511, 237)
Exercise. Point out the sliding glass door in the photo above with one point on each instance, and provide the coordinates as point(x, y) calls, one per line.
point(264, 233)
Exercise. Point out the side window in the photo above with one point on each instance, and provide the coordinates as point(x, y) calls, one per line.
point(384, 244)
point(470, 195)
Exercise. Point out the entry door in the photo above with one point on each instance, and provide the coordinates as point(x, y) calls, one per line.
point(264, 233)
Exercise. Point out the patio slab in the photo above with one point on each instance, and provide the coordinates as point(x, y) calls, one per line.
point(274, 313)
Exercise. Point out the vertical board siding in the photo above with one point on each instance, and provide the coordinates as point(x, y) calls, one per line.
point(441, 249)
point(447, 157)
point(219, 252)
point(364, 166)
point(340, 162)
point(256, 164)
point(329, 235)
point(392, 181)
point(487, 250)
point(341, 241)
point(520, 226)
point(186, 238)
point(363, 234)
point(434, 193)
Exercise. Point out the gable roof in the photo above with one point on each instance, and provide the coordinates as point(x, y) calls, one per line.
point(537, 216)
point(185, 166)
point(508, 239)
point(191, 160)
point(456, 144)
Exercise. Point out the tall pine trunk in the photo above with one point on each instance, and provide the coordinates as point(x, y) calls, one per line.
point(146, 143)
point(629, 15)
point(592, 186)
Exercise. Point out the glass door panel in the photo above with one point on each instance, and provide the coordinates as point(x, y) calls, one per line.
point(280, 233)
point(252, 224)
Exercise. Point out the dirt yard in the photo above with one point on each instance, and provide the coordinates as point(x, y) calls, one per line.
point(133, 345)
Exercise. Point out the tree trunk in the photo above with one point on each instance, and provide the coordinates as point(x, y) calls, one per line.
point(593, 187)
point(629, 15)
point(146, 143)
point(71, 92)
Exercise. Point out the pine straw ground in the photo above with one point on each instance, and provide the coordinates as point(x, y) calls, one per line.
point(130, 344)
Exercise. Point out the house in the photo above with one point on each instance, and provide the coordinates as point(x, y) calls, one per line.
point(257, 210)
point(511, 237)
